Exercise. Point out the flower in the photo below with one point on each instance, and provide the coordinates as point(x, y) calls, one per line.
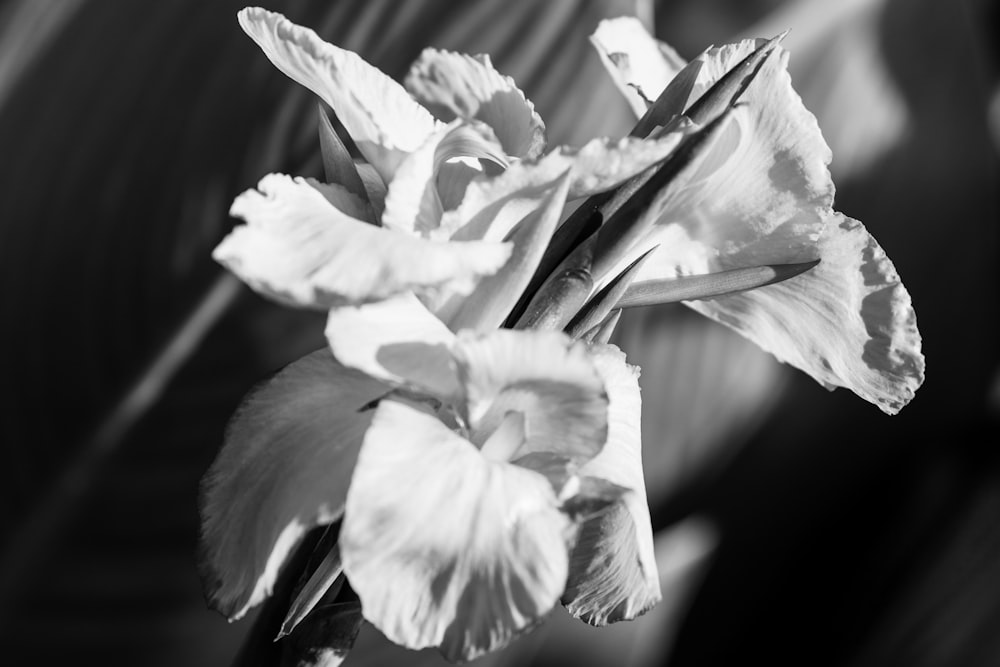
point(480, 476)
point(308, 448)
point(462, 512)
point(763, 195)
point(444, 217)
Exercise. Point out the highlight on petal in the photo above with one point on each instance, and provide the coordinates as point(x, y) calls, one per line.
point(398, 341)
point(456, 85)
point(284, 468)
point(640, 65)
point(847, 323)
point(382, 119)
point(445, 547)
point(299, 248)
point(547, 378)
point(613, 573)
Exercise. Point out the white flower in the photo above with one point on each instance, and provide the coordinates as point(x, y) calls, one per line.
point(762, 194)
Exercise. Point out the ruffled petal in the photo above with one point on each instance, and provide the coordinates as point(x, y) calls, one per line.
point(300, 247)
point(763, 195)
point(640, 65)
point(397, 340)
point(613, 574)
point(603, 164)
point(445, 547)
point(848, 322)
point(456, 85)
point(284, 468)
point(494, 205)
point(382, 119)
point(547, 378)
point(412, 202)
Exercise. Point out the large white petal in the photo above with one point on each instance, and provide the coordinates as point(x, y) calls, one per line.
point(284, 468)
point(445, 547)
point(547, 378)
point(848, 322)
point(397, 340)
point(613, 574)
point(456, 85)
point(382, 119)
point(299, 248)
point(763, 195)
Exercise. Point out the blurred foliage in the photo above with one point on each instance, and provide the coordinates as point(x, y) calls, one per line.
point(845, 537)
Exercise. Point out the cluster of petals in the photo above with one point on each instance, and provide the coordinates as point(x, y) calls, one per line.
point(481, 476)
point(762, 194)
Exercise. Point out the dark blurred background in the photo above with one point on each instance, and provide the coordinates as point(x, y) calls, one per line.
point(796, 526)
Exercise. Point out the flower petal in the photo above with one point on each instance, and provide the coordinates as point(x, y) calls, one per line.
point(647, 70)
point(757, 196)
point(397, 340)
point(847, 323)
point(300, 247)
point(613, 573)
point(763, 195)
point(549, 379)
point(412, 202)
point(382, 119)
point(494, 205)
point(492, 300)
point(456, 85)
point(445, 547)
point(284, 468)
point(640, 65)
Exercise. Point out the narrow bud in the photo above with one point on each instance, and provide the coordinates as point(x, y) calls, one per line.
point(326, 575)
point(629, 223)
point(691, 288)
point(727, 90)
point(670, 102)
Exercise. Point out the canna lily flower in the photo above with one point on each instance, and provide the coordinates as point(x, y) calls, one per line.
point(465, 517)
point(396, 294)
point(762, 194)
point(478, 477)
point(428, 181)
